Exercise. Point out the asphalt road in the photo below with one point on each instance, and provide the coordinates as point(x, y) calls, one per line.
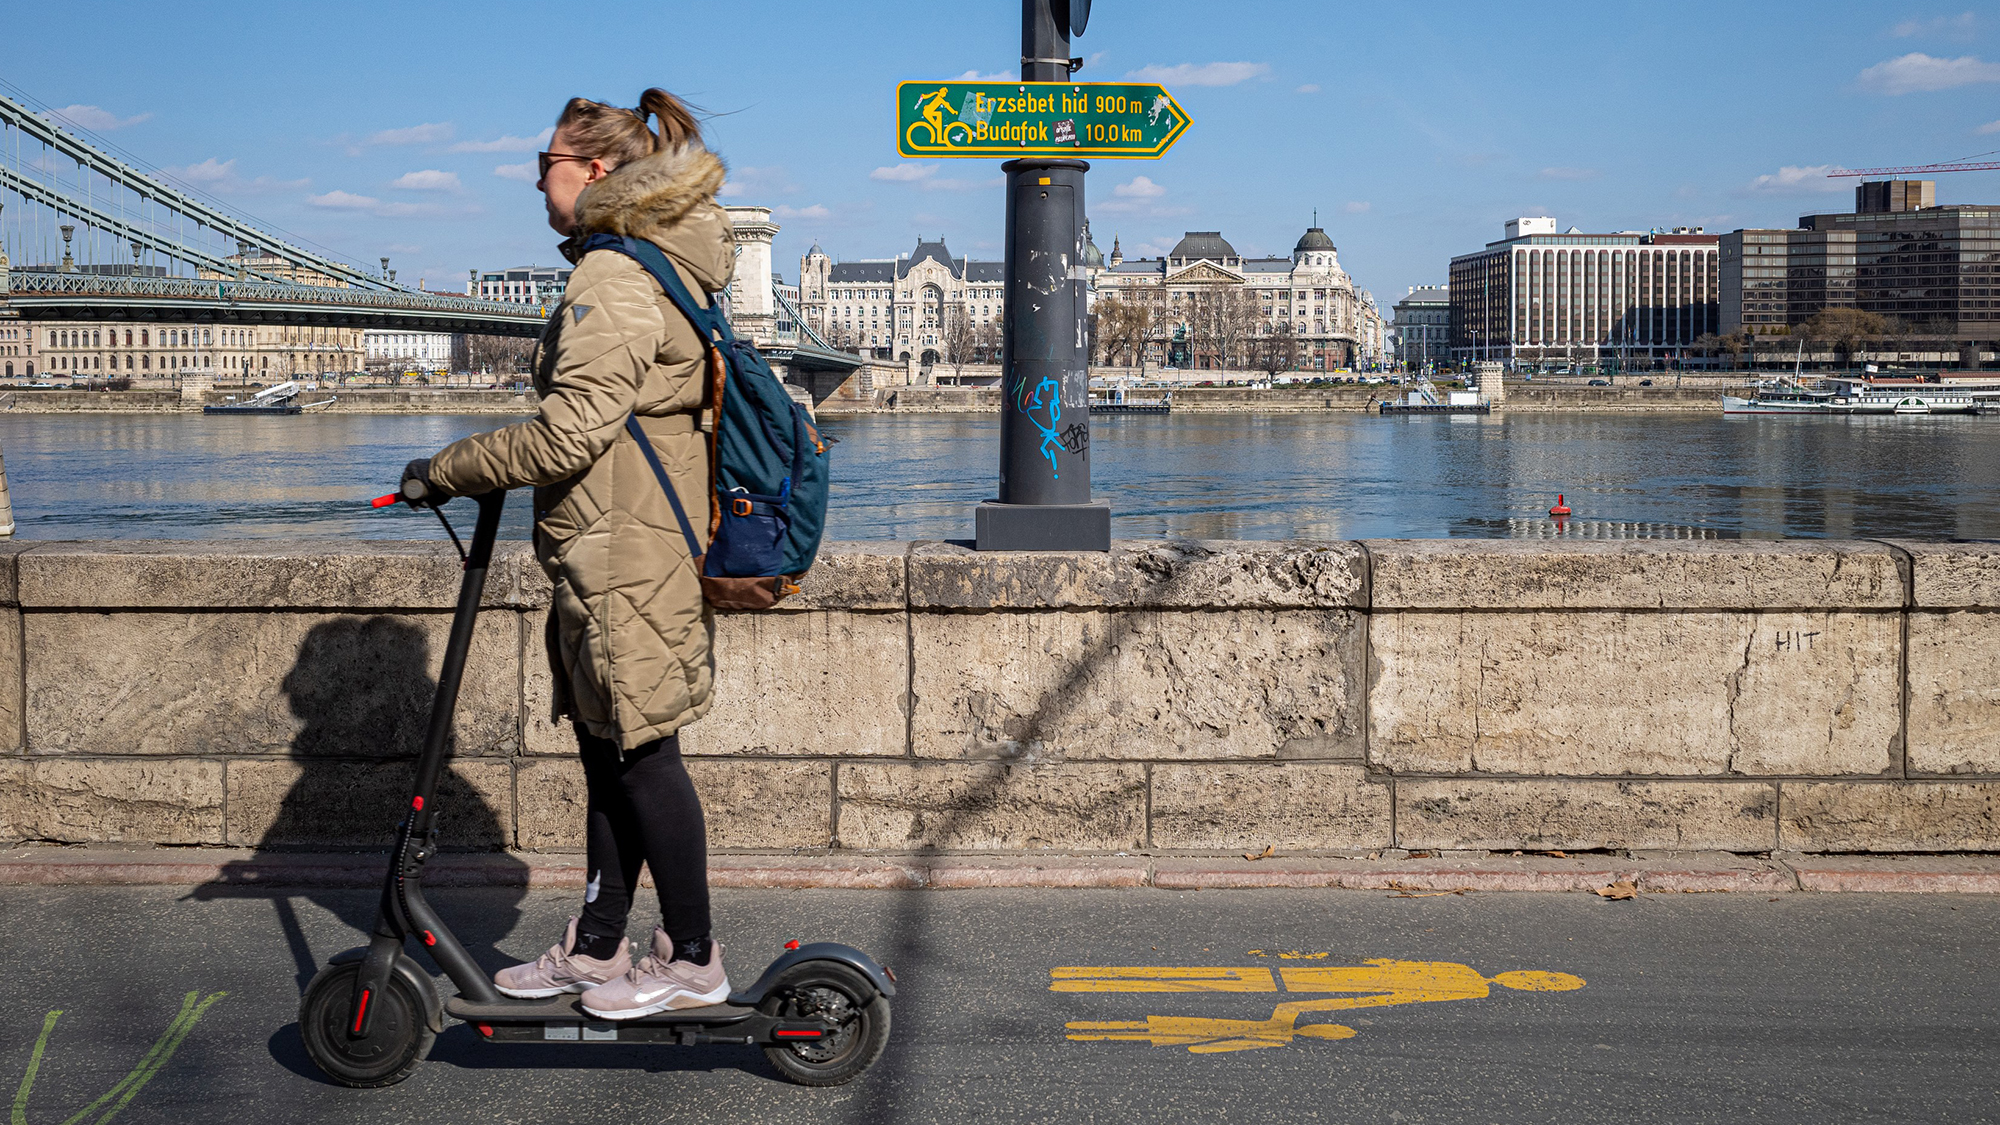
point(1693, 1008)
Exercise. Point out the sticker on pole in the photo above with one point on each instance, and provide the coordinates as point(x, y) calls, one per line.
point(1106, 120)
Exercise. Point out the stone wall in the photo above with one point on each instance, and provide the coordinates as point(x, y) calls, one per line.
point(1169, 697)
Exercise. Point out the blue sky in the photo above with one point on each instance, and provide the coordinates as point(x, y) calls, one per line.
point(409, 129)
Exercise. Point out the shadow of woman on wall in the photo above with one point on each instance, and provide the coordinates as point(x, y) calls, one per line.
point(361, 690)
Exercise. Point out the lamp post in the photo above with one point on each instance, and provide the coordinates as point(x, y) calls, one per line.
point(68, 263)
point(1044, 502)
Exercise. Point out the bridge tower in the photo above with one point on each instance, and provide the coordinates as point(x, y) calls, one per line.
point(752, 311)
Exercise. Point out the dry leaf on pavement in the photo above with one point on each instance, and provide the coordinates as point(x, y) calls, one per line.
point(1622, 889)
point(1267, 853)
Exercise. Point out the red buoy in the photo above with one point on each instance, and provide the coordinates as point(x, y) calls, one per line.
point(1561, 509)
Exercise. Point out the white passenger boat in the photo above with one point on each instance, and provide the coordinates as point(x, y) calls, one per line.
point(1865, 396)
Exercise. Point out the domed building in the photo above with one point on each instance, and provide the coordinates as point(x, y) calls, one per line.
point(1212, 306)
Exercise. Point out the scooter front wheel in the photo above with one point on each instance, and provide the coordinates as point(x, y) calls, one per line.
point(836, 994)
point(398, 1036)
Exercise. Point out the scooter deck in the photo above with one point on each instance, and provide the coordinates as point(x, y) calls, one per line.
point(569, 1009)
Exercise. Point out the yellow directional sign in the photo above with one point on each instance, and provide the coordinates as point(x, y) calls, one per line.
point(1101, 120)
point(1374, 984)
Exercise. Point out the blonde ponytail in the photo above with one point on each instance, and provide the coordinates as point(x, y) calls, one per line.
point(616, 135)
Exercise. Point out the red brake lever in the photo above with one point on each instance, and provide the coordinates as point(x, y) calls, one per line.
point(385, 501)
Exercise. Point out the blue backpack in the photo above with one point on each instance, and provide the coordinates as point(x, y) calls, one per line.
point(767, 462)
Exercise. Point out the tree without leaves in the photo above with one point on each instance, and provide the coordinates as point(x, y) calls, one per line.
point(497, 355)
point(956, 339)
point(1844, 328)
point(1220, 320)
point(1277, 350)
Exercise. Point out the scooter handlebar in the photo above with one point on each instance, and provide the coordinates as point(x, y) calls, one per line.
point(413, 492)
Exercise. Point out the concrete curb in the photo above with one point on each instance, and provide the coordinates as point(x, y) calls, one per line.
point(227, 871)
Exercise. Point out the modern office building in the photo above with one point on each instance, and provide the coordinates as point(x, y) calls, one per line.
point(522, 285)
point(414, 351)
point(1539, 296)
point(1423, 326)
point(1935, 270)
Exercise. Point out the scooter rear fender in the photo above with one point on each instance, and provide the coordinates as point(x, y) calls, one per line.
point(417, 978)
point(817, 951)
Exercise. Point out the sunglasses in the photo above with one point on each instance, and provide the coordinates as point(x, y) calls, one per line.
point(545, 159)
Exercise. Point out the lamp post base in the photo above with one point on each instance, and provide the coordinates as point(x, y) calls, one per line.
point(1042, 527)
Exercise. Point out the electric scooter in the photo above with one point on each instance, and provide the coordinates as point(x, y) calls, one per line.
point(820, 1011)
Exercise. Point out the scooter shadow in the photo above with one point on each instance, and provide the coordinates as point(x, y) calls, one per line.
point(459, 1047)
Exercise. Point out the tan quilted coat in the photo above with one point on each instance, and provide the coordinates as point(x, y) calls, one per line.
point(629, 634)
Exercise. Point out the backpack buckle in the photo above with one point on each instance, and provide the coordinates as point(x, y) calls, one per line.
point(740, 506)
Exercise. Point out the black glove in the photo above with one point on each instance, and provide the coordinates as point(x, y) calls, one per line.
point(417, 490)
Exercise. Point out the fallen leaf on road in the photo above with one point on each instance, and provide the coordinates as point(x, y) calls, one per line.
point(1267, 853)
point(1557, 855)
point(1622, 889)
point(1420, 855)
point(1428, 894)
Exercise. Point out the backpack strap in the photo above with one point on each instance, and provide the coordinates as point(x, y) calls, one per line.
point(667, 486)
point(708, 321)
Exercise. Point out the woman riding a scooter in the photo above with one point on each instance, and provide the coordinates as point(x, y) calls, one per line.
point(628, 632)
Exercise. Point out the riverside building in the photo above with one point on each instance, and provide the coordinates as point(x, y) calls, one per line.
point(899, 308)
point(1423, 327)
point(520, 285)
point(1539, 296)
point(1934, 269)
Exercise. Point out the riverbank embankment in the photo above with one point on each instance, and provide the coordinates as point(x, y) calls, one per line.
point(929, 399)
point(1168, 699)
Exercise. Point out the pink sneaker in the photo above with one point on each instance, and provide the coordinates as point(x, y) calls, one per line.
point(560, 970)
point(658, 983)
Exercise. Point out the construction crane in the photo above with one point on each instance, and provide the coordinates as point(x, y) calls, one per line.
point(1970, 164)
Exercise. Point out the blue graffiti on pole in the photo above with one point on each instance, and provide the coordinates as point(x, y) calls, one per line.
point(1053, 406)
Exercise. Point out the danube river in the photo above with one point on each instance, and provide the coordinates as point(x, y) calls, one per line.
point(1211, 476)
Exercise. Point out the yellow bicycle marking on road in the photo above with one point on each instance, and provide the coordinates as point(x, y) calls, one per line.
point(128, 1087)
point(1374, 984)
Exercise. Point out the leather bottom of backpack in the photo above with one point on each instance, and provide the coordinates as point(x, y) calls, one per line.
point(746, 593)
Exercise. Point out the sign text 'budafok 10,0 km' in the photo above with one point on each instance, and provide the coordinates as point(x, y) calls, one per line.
point(1107, 120)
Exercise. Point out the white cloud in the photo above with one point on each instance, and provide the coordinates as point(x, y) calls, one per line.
point(526, 173)
point(220, 177)
point(1569, 173)
point(506, 144)
point(343, 201)
point(429, 179)
point(1792, 179)
point(1917, 71)
point(1308, 88)
point(1140, 187)
point(903, 173)
point(998, 76)
point(95, 118)
point(816, 211)
point(413, 135)
point(1989, 127)
point(1359, 207)
point(1960, 26)
point(1201, 74)
point(760, 182)
point(1141, 197)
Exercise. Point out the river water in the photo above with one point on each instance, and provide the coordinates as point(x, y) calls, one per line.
point(1215, 476)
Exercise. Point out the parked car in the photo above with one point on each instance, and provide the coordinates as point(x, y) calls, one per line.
point(1599, 383)
point(1645, 382)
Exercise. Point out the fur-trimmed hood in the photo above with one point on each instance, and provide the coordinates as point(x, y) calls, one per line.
point(668, 199)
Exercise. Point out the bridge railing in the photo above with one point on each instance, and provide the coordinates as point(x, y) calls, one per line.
point(84, 284)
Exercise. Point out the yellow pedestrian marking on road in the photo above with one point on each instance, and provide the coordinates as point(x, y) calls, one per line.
point(1375, 984)
point(1161, 978)
point(128, 1087)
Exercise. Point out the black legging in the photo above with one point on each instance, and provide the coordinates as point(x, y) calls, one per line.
point(643, 808)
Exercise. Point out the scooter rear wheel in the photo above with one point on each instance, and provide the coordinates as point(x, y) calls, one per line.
point(398, 1035)
point(837, 994)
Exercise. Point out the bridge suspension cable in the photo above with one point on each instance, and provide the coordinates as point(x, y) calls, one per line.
point(153, 195)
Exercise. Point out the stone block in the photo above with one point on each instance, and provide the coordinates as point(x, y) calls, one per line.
point(1137, 684)
point(1954, 723)
point(1811, 693)
point(112, 801)
point(1291, 806)
point(1744, 574)
point(991, 807)
point(253, 574)
point(541, 732)
point(859, 576)
point(1953, 575)
point(1150, 574)
point(1902, 816)
point(261, 683)
point(348, 802)
point(763, 805)
point(824, 684)
point(10, 552)
point(10, 681)
point(1503, 815)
